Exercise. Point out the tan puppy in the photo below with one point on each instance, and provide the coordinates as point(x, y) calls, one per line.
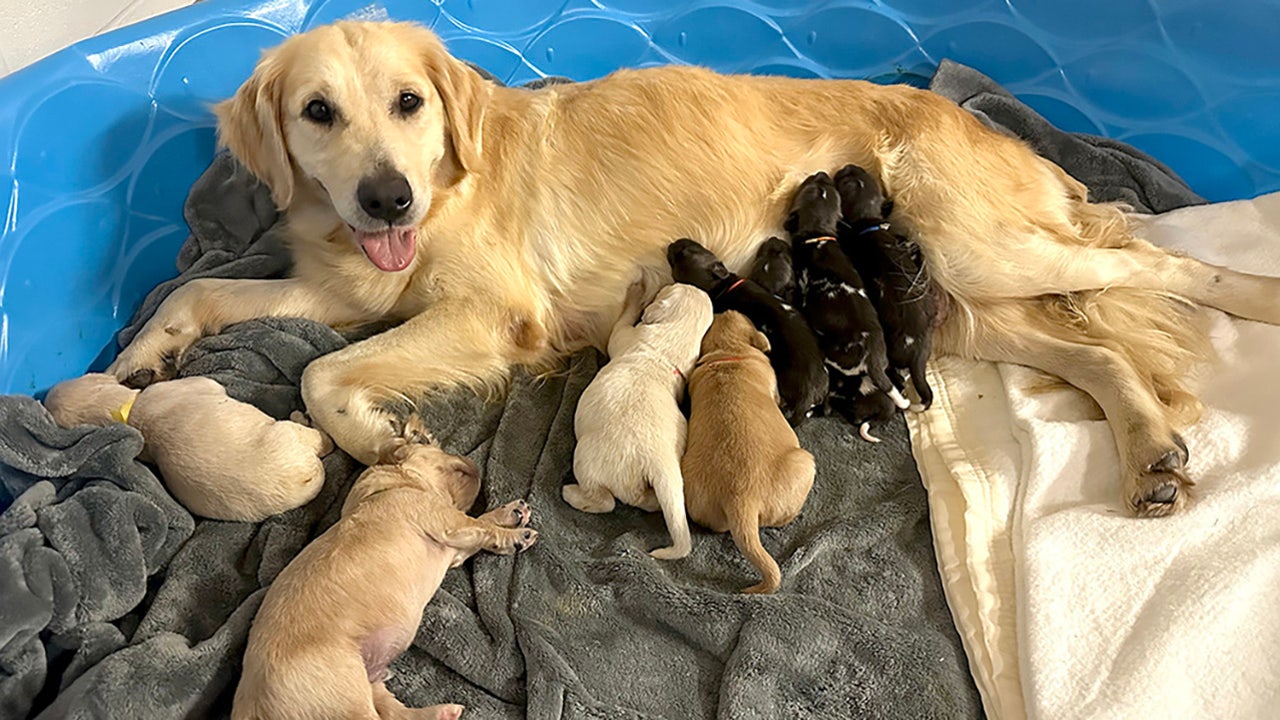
point(743, 466)
point(352, 600)
point(628, 422)
point(219, 457)
point(504, 226)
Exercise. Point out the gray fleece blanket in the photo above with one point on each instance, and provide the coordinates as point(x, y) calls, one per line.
point(115, 603)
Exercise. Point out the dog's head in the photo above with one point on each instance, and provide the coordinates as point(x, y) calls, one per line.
point(372, 117)
point(424, 466)
point(675, 302)
point(861, 195)
point(732, 332)
point(815, 208)
point(695, 265)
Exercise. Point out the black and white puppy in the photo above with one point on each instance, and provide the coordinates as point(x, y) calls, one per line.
point(903, 294)
point(794, 353)
point(834, 300)
point(774, 271)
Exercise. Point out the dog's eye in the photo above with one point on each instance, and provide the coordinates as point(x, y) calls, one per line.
point(409, 103)
point(318, 111)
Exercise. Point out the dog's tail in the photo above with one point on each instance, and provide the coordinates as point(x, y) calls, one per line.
point(744, 527)
point(668, 487)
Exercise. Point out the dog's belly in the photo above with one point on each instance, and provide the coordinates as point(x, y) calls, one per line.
point(380, 648)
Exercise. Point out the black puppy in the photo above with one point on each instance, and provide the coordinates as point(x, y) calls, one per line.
point(903, 296)
point(834, 301)
point(794, 352)
point(773, 269)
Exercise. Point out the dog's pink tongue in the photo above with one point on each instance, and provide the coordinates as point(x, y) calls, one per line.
point(390, 250)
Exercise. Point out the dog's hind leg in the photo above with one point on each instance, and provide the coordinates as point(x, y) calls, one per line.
point(668, 488)
point(1152, 455)
point(389, 708)
point(588, 498)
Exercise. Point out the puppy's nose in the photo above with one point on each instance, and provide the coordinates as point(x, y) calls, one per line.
point(385, 195)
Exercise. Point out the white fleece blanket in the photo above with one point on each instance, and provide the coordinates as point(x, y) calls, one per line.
point(1068, 607)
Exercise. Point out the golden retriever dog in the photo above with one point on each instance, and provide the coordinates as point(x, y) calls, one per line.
point(343, 609)
point(743, 465)
point(221, 458)
point(628, 423)
point(503, 227)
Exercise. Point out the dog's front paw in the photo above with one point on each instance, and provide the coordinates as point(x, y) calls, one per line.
point(512, 541)
point(515, 514)
point(150, 359)
point(1162, 487)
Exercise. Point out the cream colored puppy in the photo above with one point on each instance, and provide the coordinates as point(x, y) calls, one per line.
point(351, 601)
point(743, 466)
point(219, 457)
point(629, 425)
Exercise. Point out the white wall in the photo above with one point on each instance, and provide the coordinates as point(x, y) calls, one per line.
point(33, 29)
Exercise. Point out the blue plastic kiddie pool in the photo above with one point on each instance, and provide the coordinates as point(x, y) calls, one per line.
point(104, 139)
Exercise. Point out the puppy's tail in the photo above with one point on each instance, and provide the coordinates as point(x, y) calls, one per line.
point(744, 526)
point(668, 488)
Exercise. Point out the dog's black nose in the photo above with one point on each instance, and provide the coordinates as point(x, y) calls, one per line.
point(385, 195)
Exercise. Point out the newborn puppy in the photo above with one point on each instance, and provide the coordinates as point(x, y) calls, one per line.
point(904, 298)
point(773, 270)
point(834, 301)
point(628, 422)
point(743, 466)
point(795, 355)
point(349, 603)
point(220, 458)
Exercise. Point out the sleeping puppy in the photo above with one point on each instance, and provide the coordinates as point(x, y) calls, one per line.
point(349, 603)
point(773, 270)
point(904, 297)
point(834, 301)
point(628, 422)
point(743, 466)
point(795, 355)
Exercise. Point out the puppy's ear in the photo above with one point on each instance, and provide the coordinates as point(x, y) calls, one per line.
point(251, 125)
point(792, 222)
point(886, 209)
point(465, 95)
point(760, 342)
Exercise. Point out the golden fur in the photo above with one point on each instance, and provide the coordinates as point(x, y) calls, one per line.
point(743, 466)
point(352, 600)
point(219, 457)
point(533, 210)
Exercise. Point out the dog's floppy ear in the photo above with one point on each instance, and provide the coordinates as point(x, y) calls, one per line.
point(760, 342)
point(251, 125)
point(465, 95)
point(792, 223)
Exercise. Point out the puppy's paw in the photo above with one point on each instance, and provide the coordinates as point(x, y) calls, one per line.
point(442, 712)
point(1162, 487)
point(525, 538)
point(510, 542)
point(515, 514)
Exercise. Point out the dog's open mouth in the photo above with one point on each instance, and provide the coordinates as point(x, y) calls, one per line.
point(390, 250)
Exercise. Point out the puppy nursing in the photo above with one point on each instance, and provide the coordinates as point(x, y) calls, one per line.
point(796, 358)
point(349, 603)
point(630, 430)
point(743, 466)
point(834, 300)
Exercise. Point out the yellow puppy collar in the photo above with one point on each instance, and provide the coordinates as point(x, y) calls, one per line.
point(122, 415)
